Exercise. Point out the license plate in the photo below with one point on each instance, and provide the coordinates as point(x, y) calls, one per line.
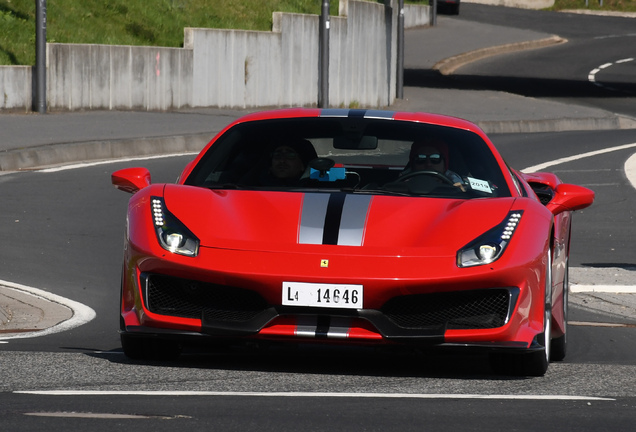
point(322, 295)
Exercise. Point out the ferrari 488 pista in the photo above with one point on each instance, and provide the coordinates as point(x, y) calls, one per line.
point(350, 227)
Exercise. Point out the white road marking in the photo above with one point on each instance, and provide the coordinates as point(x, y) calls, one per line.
point(591, 77)
point(81, 313)
point(542, 166)
point(630, 169)
point(599, 324)
point(111, 161)
point(310, 394)
point(613, 289)
point(108, 416)
point(591, 170)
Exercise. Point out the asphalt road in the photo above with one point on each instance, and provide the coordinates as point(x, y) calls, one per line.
point(603, 235)
point(595, 68)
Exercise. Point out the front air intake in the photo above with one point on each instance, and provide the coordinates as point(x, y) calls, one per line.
point(481, 309)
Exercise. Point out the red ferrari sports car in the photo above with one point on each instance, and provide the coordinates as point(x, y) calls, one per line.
point(350, 226)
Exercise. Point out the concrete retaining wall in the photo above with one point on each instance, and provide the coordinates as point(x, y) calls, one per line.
point(363, 55)
point(416, 16)
point(15, 87)
point(522, 4)
point(118, 77)
point(228, 68)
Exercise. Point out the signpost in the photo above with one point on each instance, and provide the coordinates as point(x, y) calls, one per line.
point(323, 92)
point(400, 53)
point(433, 17)
point(40, 55)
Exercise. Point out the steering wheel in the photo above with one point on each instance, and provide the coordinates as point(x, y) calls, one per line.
point(431, 173)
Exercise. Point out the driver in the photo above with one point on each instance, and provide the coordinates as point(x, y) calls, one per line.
point(288, 162)
point(431, 154)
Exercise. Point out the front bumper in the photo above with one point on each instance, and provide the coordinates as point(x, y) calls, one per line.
point(174, 306)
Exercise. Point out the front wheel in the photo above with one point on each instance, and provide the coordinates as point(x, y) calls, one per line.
point(559, 345)
point(534, 363)
point(528, 364)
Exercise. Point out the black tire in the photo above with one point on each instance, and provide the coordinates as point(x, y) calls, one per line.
point(513, 364)
point(534, 363)
point(559, 345)
point(143, 348)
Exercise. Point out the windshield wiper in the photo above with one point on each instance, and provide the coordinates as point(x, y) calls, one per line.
point(376, 192)
point(222, 186)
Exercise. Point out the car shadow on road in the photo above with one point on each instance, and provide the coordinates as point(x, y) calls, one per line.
point(327, 360)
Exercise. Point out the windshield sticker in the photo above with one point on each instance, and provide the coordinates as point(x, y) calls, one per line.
point(479, 185)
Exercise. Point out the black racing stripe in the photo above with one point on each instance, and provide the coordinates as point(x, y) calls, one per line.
point(322, 327)
point(333, 218)
point(357, 113)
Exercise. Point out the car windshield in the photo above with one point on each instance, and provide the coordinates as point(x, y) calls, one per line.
point(359, 155)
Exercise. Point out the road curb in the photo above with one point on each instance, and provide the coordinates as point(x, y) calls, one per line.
point(612, 122)
point(30, 312)
point(24, 312)
point(64, 153)
point(451, 64)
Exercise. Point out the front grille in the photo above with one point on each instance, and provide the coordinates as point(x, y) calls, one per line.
point(480, 309)
point(167, 295)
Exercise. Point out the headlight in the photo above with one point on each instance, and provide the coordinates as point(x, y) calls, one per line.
point(171, 233)
point(489, 246)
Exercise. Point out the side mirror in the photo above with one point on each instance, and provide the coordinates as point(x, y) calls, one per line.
point(131, 180)
point(569, 197)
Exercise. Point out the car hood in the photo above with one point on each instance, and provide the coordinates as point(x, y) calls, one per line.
point(298, 221)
